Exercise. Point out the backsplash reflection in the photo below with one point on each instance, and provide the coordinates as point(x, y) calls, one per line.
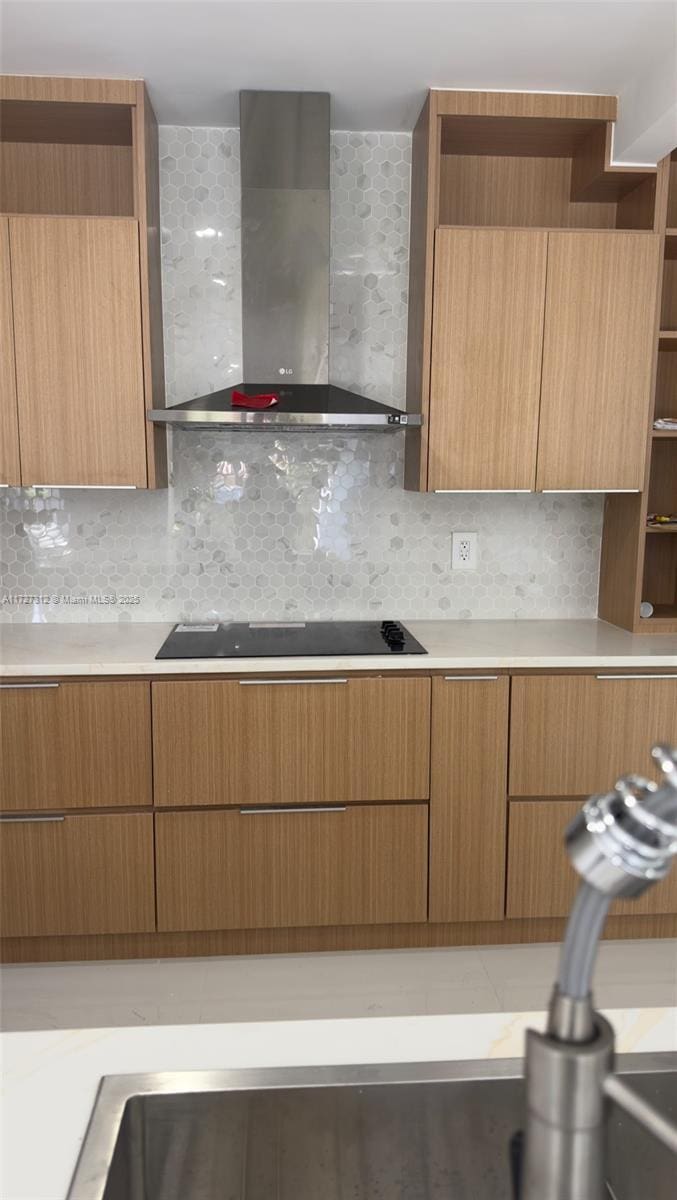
point(310, 525)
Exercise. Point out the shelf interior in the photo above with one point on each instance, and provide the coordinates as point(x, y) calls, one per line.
point(663, 477)
point(527, 172)
point(666, 387)
point(66, 159)
point(669, 295)
point(672, 193)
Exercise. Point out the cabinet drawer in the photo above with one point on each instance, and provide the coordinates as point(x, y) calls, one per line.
point(571, 735)
point(291, 742)
point(541, 881)
point(238, 870)
point(76, 875)
point(75, 745)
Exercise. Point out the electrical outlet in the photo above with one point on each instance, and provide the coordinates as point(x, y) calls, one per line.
point(464, 551)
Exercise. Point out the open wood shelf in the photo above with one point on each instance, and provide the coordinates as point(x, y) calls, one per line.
point(664, 433)
point(534, 171)
point(661, 528)
point(62, 158)
point(671, 243)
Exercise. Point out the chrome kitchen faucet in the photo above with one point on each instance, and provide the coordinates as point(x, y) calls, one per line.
point(620, 844)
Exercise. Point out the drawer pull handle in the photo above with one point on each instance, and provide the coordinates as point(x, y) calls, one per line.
point(267, 682)
point(16, 687)
point(304, 808)
point(30, 820)
point(635, 676)
point(468, 678)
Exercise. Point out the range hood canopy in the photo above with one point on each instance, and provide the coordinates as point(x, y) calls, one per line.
point(284, 154)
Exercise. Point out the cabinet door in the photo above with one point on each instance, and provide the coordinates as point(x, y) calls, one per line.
point(572, 735)
point(541, 880)
point(234, 870)
point(77, 327)
point(291, 742)
point(74, 745)
point(10, 471)
point(77, 875)
point(489, 294)
point(598, 355)
point(468, 800)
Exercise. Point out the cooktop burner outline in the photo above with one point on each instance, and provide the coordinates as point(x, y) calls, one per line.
point(298, 639)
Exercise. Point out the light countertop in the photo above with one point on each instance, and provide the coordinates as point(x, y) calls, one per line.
point(130, 648)
point(51, 1078)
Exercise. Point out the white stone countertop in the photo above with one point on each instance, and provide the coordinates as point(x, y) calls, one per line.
point(51, 1078)
point(130, 648)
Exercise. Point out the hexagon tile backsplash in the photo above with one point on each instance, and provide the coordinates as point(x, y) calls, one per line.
point(263, 525)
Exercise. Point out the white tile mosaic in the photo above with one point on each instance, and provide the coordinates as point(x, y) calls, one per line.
point(315, 525)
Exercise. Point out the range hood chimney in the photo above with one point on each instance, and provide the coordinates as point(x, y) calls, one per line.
point(284, 154)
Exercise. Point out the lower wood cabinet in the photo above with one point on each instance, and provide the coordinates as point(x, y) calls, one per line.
point(76, 875)
point(238, 870)
point(310, 741)
point(75, 745)
point(572, 735)
point(541, 881)
point(468, 802)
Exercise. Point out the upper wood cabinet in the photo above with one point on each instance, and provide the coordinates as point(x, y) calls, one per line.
point(10, 470)
point(74, 745)
point(77, 322)
point(79, 182)
point(541, 382)
point(573, 735)
point(292, 742)
point(534, 271)
point(598, 354)
point(468, 804)
point(489, 296)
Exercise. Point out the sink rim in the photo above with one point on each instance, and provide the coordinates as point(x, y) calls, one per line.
point(91, 1170)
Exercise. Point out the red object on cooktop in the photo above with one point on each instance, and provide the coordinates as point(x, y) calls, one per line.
point(263, 400)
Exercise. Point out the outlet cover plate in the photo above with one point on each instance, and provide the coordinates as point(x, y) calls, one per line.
point(464, 551)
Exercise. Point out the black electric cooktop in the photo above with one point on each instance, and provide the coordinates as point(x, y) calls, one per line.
point(272, 639)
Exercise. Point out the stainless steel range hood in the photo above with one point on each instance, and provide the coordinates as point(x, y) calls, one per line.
point(284, 150)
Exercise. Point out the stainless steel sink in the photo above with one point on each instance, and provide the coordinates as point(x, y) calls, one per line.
point(403, 1132)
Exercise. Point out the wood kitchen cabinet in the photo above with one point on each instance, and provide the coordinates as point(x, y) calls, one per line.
point(10, 469)
point(598, 354)
point(238, 870)
point(81, 257)
point(534, 274)
point(76, 875)
point(489, 297)
point(285, 742)
point(573, 735)
point(77, 332)
point(502, 419)
point(74, 745)
point(468, 804)
point(542, 882)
